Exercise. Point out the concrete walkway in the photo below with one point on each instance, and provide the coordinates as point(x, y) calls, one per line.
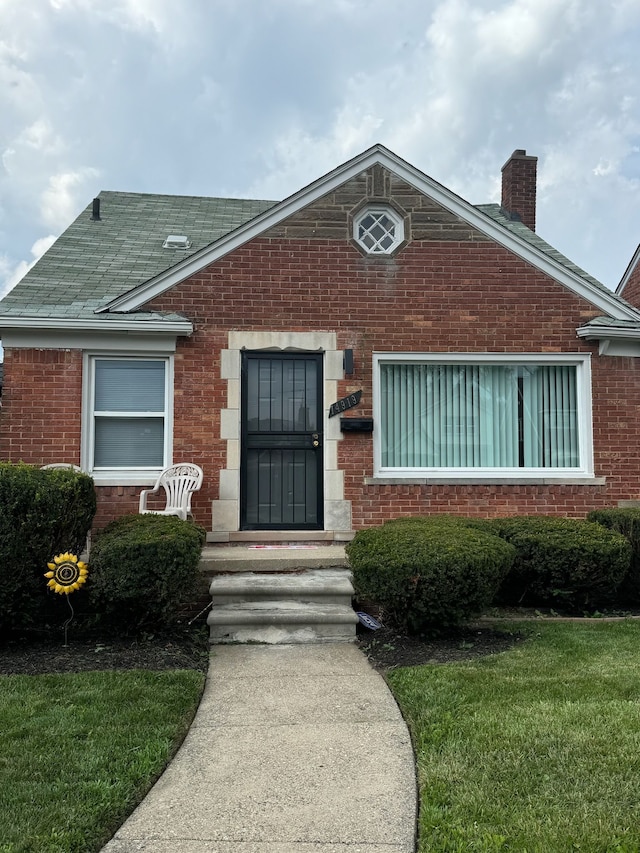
point(294, 749)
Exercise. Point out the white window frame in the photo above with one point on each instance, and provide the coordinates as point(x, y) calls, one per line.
point(377, 209)
point(138, 476)
point(582, 363)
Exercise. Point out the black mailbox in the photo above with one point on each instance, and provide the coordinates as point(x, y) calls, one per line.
point(356, 424)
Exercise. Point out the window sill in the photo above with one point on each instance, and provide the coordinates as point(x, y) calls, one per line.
point(485, 481)
point(125, 478)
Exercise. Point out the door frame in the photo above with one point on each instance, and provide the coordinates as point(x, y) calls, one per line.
point(301, 440)
point(225, 508)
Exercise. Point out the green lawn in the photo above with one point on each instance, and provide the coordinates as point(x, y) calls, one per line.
point(536, 750)
point(78, 751)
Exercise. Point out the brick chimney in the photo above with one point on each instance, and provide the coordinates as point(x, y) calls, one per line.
point(519, 187)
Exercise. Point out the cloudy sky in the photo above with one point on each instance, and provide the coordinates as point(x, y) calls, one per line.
point(257, 98)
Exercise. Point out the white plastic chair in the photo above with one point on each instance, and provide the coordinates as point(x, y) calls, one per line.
point(179, 482)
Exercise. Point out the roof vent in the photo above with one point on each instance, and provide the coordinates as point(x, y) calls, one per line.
point(176, 241)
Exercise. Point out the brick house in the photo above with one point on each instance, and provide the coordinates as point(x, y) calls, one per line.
point(629, 286)
point(369, 347)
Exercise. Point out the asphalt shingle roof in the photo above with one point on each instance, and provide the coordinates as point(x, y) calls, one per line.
point(93, 262)
point(499, 215)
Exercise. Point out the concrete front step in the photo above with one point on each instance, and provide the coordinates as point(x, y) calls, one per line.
point(285, 621)
point(326, 586)
point(218, 559)
point(302, 606)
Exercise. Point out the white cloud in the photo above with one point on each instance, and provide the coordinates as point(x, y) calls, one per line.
point(40, 246)
point(168, 25)
point(604, 167)
point(10, 275)
point(296, 158)
point(36, 140)
point(138, 14)
point(260, 98)
point(60, 200)
point(480, 79)
point(530, 30)
point(41, 136)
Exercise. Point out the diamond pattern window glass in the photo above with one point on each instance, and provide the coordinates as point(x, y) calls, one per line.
point(378, 230)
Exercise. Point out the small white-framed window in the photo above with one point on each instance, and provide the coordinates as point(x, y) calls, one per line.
point(482, 415)
point(128, 417)
point(378, 230)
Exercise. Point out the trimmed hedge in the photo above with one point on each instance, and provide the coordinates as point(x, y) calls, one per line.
point(563, 562)
point(626, 522)
point(142, 569)
point(43, 512)
point(485, 525)
point(428, 576)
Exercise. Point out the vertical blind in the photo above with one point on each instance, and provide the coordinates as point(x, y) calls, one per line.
point(129, 413)
point(479, 416)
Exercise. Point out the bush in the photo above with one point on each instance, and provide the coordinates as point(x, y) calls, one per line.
point(428, 577)
point(626, 522)
point(485, 525)
point(562, 562)
point(142, 569)
point(43, 512)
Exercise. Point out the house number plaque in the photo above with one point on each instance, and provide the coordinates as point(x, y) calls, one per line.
point(345, 403)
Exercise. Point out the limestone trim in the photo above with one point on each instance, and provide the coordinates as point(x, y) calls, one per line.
point(225, 512)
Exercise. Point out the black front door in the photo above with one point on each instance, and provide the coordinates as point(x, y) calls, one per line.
point(281, 444)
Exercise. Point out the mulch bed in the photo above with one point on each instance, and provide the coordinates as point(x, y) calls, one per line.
point(189, 649)
point(36, 655)
point(385, 648)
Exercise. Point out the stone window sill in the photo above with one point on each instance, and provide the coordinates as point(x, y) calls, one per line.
point(485, 481)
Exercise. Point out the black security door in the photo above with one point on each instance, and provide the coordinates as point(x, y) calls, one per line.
point(281, 456)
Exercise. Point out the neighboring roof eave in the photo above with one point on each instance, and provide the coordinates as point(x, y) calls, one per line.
point(613, 339)
point(629, 271)
point(117, 323)
point(595, 331)
point(378, 154)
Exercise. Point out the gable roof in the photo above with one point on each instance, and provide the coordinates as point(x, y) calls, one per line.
point(95, 261)
point(497, 213)
point(102, 270)
point(514, 236)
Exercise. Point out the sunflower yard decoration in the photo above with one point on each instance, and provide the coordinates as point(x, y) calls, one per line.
point(66, 574)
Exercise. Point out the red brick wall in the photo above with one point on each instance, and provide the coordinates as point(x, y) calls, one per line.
point(40, 420)
point(114, 501)
point(434, 297)
point(631, 290)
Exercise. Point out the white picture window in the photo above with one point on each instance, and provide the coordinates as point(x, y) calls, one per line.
point(483, 416)
point(379, 230)
point(129, 427)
